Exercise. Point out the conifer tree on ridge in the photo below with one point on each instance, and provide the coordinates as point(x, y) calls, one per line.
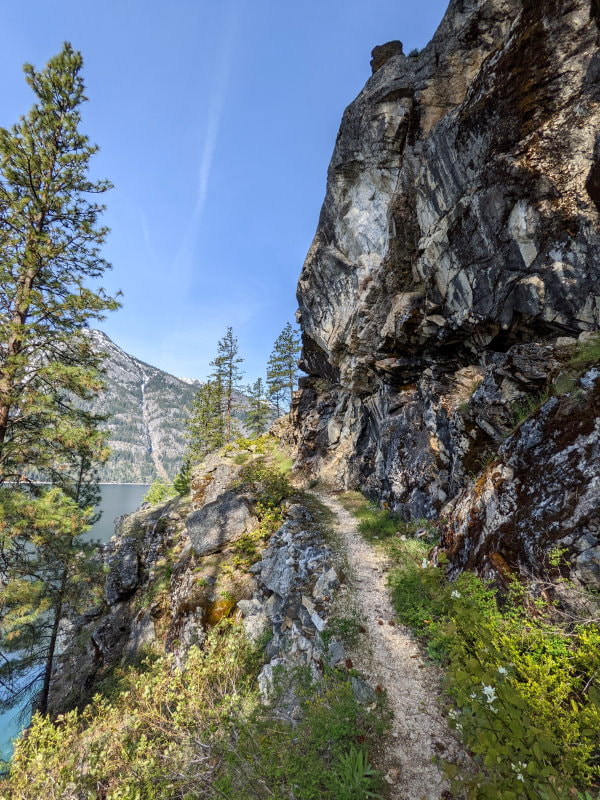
point(282, 368)
point(229, 375)
point(50, 241)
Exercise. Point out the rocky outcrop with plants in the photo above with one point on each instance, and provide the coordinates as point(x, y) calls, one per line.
point(453, 281)
point(236, 546)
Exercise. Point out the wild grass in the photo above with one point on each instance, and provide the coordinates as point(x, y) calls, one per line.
point(587, 352)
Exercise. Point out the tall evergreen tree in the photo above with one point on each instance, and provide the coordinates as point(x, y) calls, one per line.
point(206, 426)
point(258, 414)
point(227, 371)
point(49, 251)
point(282, 367)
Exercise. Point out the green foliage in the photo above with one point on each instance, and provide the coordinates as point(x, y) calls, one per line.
point(270, 488)
point(355, 775)
point(319, 759)
point(269, 484)
point(227, 375)
point(346, 629)
point(523, 409)
point(47, 573)
point(49, 369)
point(49, 250)
point(282, 368)
point(416, 51)
point(259, 413)
point(181, 483)
point(258, 444)
point(162, 733)
point(587, 353)
point(526, 691)
point(377, 523)
point(206, 425)
point(160, 492)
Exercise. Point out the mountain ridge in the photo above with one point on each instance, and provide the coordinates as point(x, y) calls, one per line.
point(147, 409)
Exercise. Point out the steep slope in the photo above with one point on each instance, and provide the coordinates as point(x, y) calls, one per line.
point(147, 411)
point(454, 266)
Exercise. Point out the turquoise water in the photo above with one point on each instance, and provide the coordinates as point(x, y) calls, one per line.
point(117, 499)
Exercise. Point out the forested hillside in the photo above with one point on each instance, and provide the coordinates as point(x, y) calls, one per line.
point(147, 410)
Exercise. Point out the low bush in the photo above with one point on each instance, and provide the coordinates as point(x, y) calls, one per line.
point(376, 523)
point(160, 492)
point(164, 733)
point(270, 488)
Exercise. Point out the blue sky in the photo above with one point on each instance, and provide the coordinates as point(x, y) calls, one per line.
point(216, 121)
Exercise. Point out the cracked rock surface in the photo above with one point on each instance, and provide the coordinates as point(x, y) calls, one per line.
point(456, 255)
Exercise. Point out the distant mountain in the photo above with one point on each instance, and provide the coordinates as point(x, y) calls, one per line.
point(148, 409)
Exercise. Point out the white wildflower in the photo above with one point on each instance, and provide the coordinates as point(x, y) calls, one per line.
point(473, 696)
point(455, 594)
point(520, 777)
point(502, 670)
point(424, 564)
point(489, 692)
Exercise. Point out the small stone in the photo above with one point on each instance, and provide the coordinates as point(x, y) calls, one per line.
point(391, 777)
point(364, 693)
point(335, 653)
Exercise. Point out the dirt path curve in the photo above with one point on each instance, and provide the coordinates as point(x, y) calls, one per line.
point(394, 660)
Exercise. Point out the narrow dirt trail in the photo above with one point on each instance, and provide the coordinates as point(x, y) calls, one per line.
point(393, 660)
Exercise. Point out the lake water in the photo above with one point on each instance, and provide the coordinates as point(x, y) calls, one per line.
point(117, 499)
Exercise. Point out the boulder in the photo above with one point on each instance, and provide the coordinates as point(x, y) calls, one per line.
point(124, 570)
point(220, 523)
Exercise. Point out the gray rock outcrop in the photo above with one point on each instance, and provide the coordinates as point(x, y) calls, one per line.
point(220, 523)
point(456, 256)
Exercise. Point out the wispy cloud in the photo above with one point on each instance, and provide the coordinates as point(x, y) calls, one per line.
point(182, 264)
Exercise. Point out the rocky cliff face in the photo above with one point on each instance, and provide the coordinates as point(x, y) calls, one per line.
point(453, 270)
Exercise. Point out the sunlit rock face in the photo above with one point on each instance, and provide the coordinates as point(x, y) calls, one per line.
point(457, 252)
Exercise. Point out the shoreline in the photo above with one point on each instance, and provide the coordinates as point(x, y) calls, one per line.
point(100, 483)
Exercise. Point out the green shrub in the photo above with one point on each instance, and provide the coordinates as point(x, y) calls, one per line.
point(165, 733)
point(160, 492)
point(270, 485)
point(381, 523)
point(181, 484)
point(523, 409)
point(321, 758)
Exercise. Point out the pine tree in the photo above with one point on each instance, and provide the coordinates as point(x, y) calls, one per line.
point(206, 426)
point(181, 483)
point(258, 414)
point(282, 367)
point(49, 367)
point(49, 574)
point(49, 249)
point(228, 374)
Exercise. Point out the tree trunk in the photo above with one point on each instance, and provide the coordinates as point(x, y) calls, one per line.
point(43, 701)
